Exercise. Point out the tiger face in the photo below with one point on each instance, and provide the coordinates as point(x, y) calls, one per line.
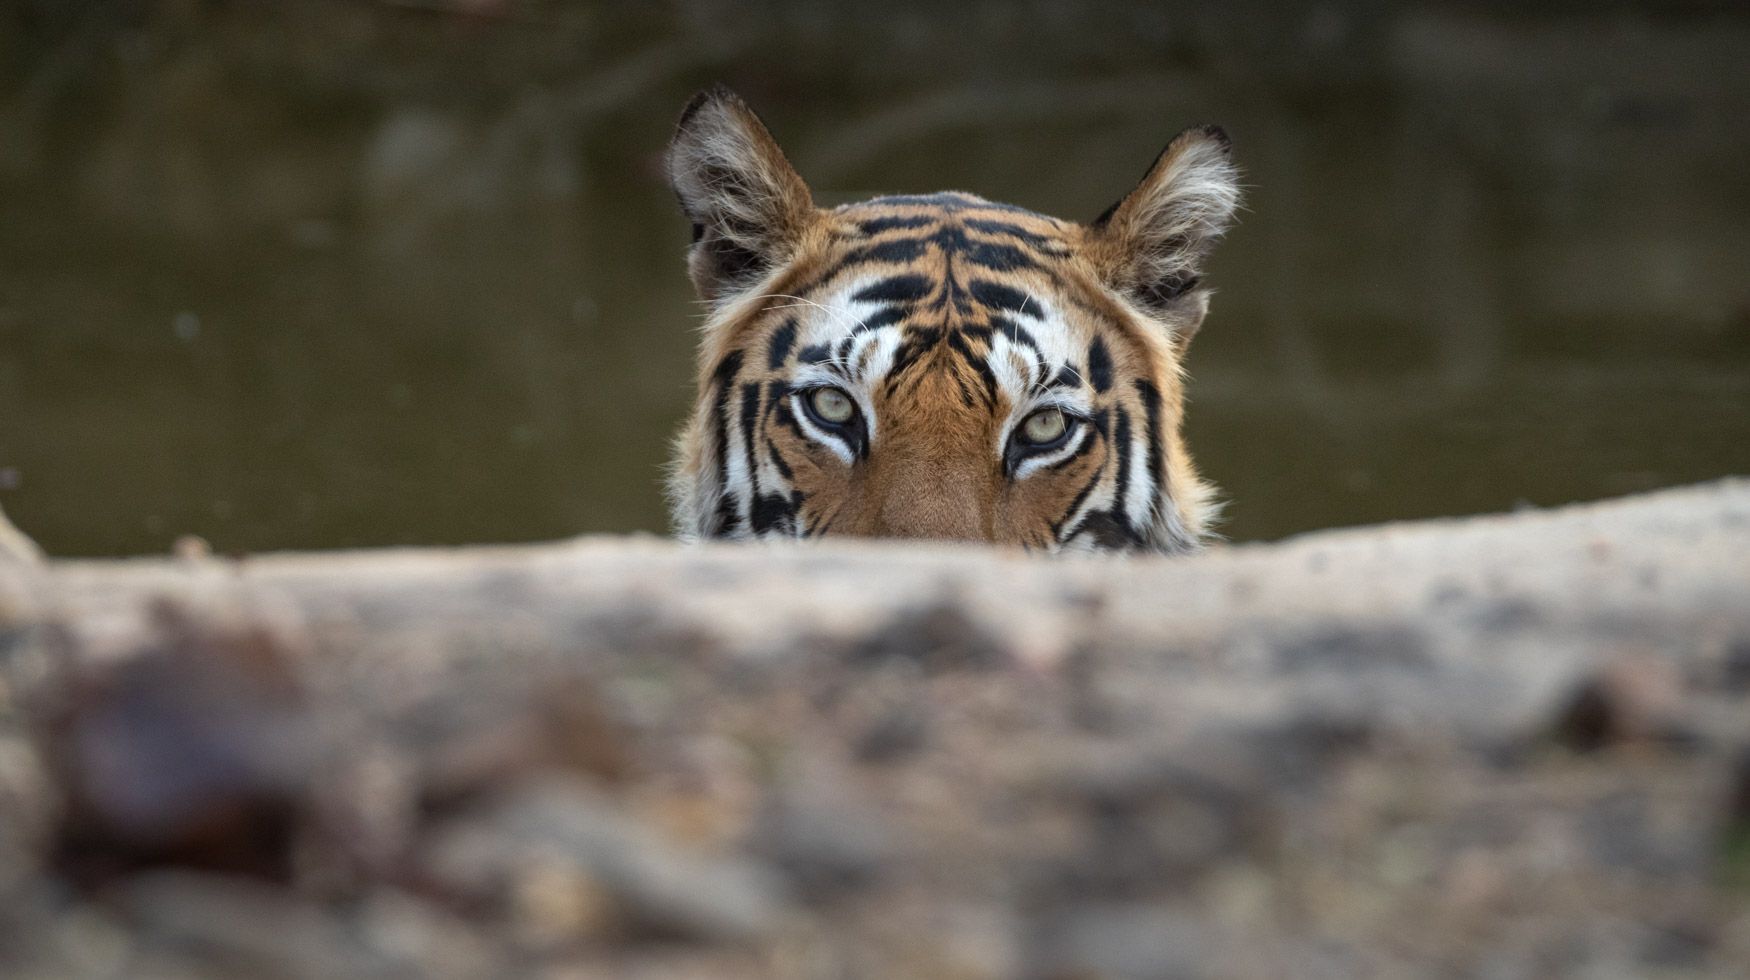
point(940, 366)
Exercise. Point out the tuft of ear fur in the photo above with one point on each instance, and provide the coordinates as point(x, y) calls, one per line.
point(1151, 245)
point(748, 207)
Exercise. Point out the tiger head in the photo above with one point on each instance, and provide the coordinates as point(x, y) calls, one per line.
point(940, 366)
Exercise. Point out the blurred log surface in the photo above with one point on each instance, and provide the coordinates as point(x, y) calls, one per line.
point(1516, 742)
point(1668, 559)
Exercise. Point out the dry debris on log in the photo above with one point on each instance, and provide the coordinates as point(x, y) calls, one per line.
point(1513, 746)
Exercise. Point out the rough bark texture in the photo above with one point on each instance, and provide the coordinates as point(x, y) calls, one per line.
point(1513, 746)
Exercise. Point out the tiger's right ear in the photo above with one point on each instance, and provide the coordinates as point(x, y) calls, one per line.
point(748, 207)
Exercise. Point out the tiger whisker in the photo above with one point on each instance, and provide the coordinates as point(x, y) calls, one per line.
point(837, 315)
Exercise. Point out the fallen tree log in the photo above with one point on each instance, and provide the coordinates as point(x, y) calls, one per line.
point(14, 545)
point(1514, 745)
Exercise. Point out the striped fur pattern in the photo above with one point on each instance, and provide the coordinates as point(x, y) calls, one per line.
point(940, 366)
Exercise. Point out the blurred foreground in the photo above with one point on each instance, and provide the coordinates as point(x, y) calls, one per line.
point(1506, 747)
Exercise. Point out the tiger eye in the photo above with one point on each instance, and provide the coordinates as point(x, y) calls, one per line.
point(1043, 427)
point(832, 405)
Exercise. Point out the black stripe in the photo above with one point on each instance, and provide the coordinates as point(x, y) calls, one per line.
point(777, 392)
point(1081, 450)
point(778, 460)
point(1151, 406)
point(750, 410)
point(948, 238)
point(1100, 366)
point(808, 528)
point(1068, 377)
point(897, 289)
point(787, 418)
point(875, 226)
point(999, 258)
point(782, 340)
point(1110, 530)
point(896, 250)
point(966, 397)
point(996, 296)
point(728, 514)
point(990, 227)
point(1017, 334)
point(884, 318)
point(723, 376)
point(771, 511)
point(958, 344)
point(727, 369)
point(814, 354)
point(1076, 504)
point(821, 524)
point(1121, 442)
point(918, 341)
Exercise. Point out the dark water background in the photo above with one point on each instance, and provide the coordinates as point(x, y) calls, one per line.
point(343, 272)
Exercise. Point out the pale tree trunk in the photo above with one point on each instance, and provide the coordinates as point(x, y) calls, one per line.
point(1517, 741)
point(15, 545)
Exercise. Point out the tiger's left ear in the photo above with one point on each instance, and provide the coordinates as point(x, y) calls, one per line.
point(748, 206)
point(1150, 246)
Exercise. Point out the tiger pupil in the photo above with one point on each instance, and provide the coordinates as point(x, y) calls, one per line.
point(1044, 426)
point(832, 405)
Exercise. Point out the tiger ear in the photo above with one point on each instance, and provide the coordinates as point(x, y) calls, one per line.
point(1151, 245)
point(748, 207)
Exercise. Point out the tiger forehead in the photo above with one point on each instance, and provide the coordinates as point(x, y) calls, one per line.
point(952, 226)
point(937, 235)
point(948, 206)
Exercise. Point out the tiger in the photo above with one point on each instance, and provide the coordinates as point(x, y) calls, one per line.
point(940, 366)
